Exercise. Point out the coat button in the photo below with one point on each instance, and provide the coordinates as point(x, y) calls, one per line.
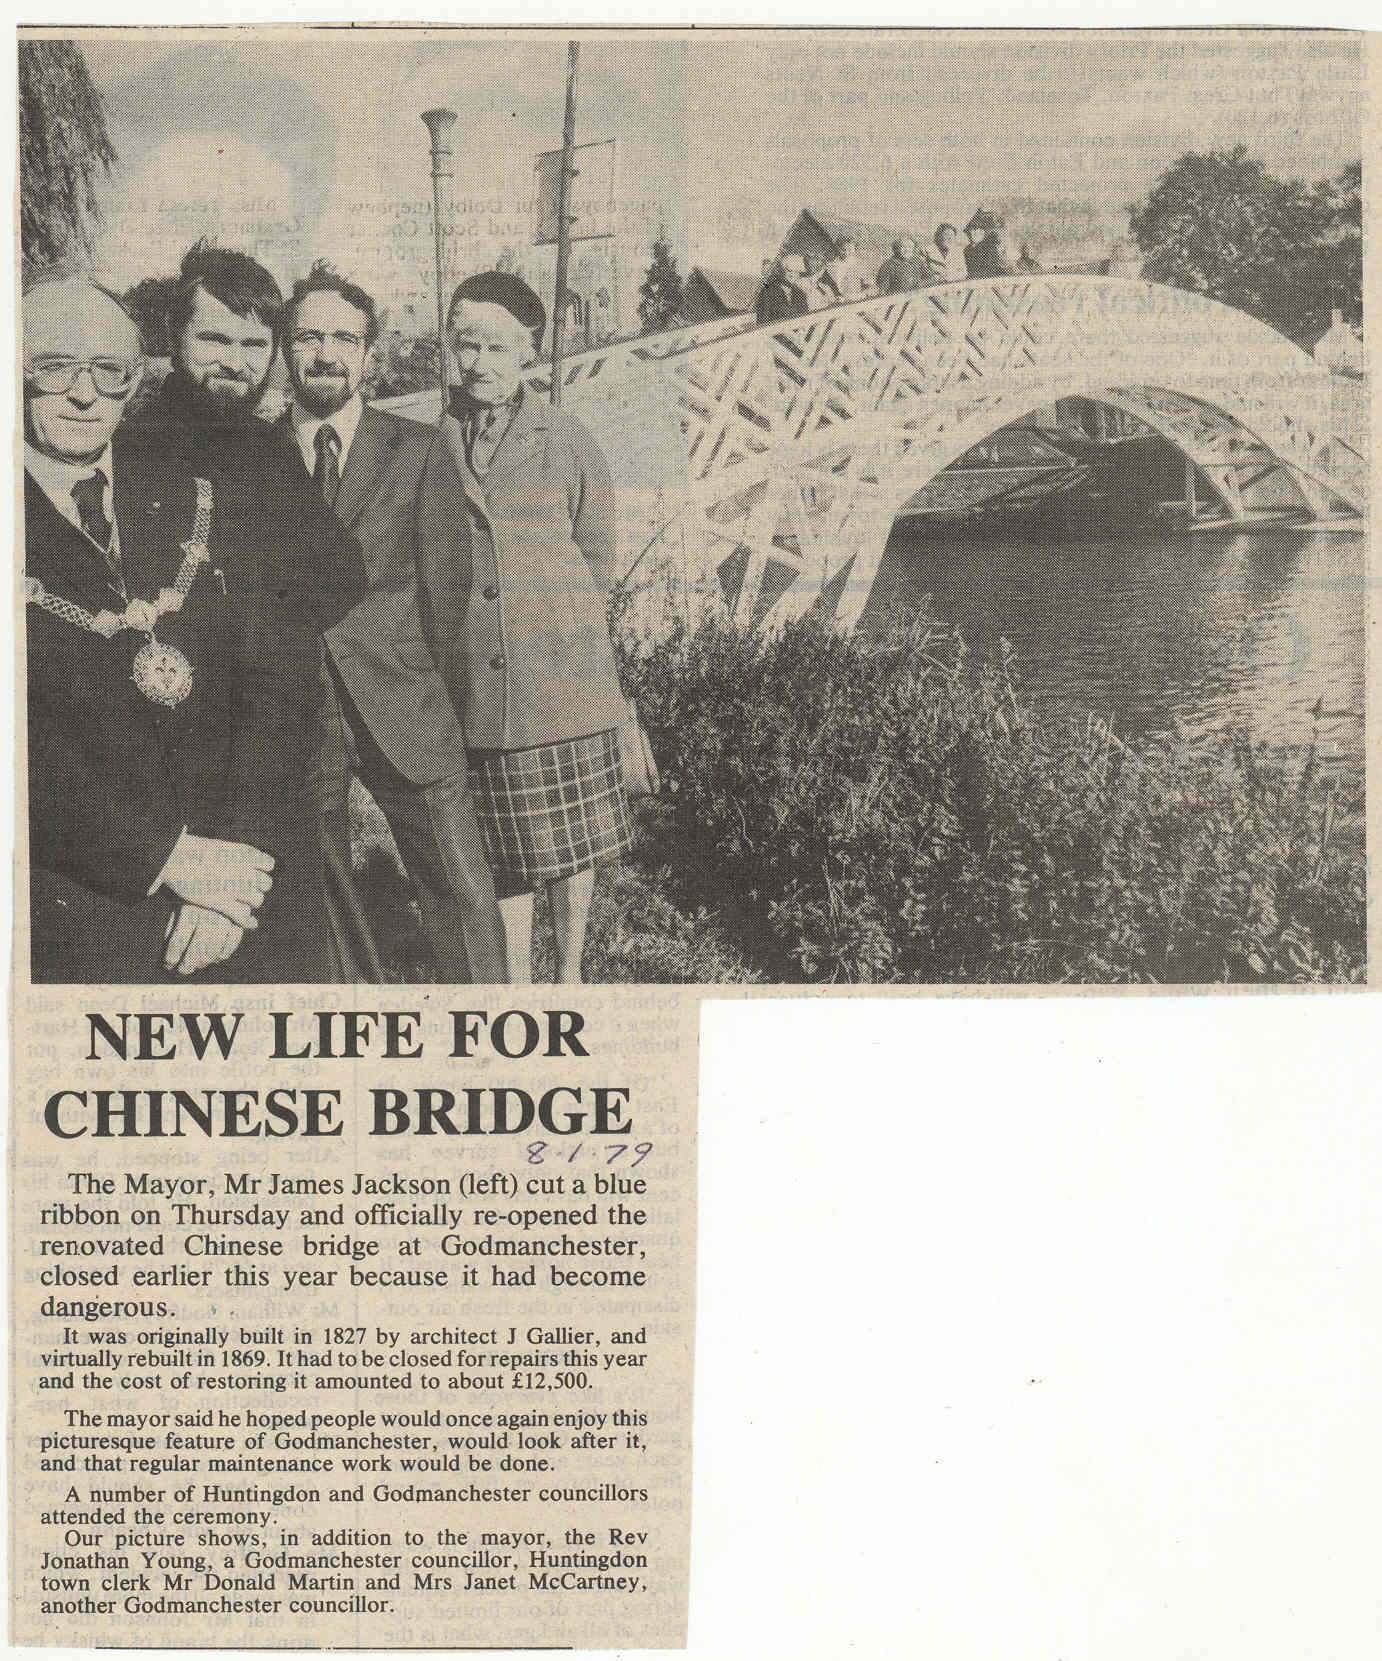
point(497, 661)
point(491, 591)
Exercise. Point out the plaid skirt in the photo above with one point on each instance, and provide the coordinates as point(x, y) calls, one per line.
point(551, 811)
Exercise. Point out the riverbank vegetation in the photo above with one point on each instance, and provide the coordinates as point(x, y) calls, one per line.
point(884, 809)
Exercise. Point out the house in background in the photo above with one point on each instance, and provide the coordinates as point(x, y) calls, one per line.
point(1339, 348)
point(817, 234)
point(712, 294)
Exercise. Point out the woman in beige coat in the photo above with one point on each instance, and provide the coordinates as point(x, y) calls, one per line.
point(530, 663)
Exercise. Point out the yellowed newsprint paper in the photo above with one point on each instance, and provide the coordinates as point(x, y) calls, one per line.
point(383, 1354)
point(520, 533)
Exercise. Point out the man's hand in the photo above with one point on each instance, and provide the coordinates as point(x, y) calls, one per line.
point(198, 938)
point(229, 877)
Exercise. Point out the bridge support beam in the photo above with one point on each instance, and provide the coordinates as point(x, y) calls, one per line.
point(1224, 483)
point(1319, 500)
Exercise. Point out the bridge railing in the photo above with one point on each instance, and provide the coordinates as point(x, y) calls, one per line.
point(609, 362)
point(738, 389)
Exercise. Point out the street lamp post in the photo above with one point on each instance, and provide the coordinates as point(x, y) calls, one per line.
point(439, 125)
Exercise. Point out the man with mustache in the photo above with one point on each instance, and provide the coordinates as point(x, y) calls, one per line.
point(287, 573)
point(388, 718)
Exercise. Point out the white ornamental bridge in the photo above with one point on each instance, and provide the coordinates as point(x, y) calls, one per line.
point(762, 469)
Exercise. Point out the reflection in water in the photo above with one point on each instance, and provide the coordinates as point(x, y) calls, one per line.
point(1154, 625)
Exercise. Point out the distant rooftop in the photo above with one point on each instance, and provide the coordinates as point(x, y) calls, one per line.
point(875, 242)
point(735, 290)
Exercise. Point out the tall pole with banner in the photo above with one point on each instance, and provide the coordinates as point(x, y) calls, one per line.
point(568, 144)
point(439, 125)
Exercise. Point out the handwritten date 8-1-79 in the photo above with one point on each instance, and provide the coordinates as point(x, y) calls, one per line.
point(540, 1152)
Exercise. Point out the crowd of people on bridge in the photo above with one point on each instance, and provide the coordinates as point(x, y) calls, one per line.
point(794, 284)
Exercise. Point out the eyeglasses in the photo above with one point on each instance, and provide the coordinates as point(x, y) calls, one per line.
point(112, 377)
point(312, 340)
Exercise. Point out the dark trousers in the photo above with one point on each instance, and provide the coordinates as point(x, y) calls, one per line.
point(438, 840)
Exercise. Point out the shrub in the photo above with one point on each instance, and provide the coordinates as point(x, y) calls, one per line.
point(884, 810)
point(403, 363)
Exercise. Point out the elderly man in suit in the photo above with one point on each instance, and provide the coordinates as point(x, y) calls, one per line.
point(389, 717)
point(155, 845)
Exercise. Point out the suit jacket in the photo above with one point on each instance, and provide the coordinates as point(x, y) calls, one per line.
point(521, 631)
point(115, 777)
point(380, 649)
point(778, 300)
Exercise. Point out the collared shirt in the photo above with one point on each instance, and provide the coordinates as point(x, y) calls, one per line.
point(343, 423)
point(55, 478)
point(483, 428)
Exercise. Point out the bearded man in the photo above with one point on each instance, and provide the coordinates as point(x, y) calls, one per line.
point(286, 571)
point(389, 719)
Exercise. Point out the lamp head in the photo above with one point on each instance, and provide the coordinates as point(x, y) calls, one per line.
point(439, 125)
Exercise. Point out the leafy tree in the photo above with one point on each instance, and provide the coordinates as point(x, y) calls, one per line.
point(149, 300)
point(1339, 203)
point(1219, 224)
point(64, 149)
point(661, 298)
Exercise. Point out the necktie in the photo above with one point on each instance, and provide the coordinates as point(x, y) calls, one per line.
point(90, 496)
point(327, 473)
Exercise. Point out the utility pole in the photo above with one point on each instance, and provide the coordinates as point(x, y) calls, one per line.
point(568, 144)
point(439, 125)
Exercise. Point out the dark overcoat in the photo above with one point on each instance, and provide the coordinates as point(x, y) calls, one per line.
point(897, 275)
point(779, 300)
point(113, 777)
point(985, 259)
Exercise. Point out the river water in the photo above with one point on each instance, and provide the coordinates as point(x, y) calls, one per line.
point(1153, 625)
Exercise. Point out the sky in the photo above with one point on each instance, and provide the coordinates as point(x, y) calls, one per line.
point(310, 143)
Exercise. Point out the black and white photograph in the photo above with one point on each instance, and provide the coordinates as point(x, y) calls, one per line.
point(501, 510)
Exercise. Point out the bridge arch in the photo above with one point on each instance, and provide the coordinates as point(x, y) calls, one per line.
point(1208, 427)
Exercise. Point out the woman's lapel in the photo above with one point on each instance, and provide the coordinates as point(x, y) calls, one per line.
point(523, 444)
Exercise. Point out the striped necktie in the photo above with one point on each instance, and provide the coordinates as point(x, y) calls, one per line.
point(327, 473)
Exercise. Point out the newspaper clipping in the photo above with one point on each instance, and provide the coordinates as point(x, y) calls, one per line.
point(307, 1370)
point(517, 532)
